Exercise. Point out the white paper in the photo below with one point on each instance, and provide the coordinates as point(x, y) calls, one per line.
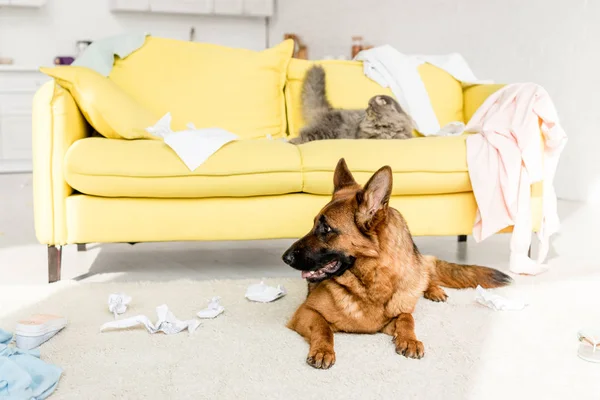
point(117, 303)
point(455, 128)
point(214, 308)
point(263, 293)
point(167, 323)
point(497, 302)
point(193, 146)
point(162, 128)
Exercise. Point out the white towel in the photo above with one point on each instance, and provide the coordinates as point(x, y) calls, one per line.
point(193, 146)
point(390, 68)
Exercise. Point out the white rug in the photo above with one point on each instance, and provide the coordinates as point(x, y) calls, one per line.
point(471, 352)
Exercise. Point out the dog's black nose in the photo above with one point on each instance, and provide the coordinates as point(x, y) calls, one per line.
point(288, 257)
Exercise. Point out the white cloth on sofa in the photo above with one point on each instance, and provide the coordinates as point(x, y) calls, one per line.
point(390, 68)
point(193, 146)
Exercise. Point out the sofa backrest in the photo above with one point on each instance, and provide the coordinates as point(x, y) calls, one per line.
point(349, 88)
point(209, 85)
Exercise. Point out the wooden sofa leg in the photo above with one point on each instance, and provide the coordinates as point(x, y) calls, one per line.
point(462, 238)
point(81, 247)
point(54, 263)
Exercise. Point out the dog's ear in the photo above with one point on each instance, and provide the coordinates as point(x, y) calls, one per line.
point(342, 176)
point(373, 199)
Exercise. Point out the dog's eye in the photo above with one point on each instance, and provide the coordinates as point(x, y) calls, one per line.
point(326, 228)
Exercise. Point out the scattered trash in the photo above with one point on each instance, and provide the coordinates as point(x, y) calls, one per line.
point(589, 348)
point(117, 303)
point(214, 309)
point(167, 323)
point(264, 293)
point(497, 302)
point(39, 328)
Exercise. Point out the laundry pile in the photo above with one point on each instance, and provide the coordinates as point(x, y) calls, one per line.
point(23, 375)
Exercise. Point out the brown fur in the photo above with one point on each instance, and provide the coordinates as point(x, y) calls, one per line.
point(382, 274)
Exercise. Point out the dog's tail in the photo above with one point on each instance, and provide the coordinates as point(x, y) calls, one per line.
point(314, 98)
point(458, 276)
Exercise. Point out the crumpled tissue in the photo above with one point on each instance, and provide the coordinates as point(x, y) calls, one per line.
point(497, 302)
point(452, 129)
point(214, 309)
point(193, 146)
point(167, 323)
point(117, 303)
point(263, 293)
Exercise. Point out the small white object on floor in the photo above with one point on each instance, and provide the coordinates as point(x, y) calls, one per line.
point(117, 303)
point(214, 309)
point(497, 302)
point(589, 349)
point(193, 146)
point(263, 293)
point(167, 323)
point(32, 332)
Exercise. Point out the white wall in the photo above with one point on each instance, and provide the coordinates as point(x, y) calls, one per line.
point(35, 36)
point(550, 42)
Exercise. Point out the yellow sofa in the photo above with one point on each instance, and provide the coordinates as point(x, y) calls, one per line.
point(90, 189)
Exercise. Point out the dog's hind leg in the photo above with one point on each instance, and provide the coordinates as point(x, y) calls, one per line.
point(316, 330)
point(435, 293)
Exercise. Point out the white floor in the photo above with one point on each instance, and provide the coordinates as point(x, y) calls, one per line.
point(23, 259)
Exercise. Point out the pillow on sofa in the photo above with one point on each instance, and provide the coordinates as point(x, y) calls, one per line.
point(108, 109)
point(349, 88)
point(209, 85)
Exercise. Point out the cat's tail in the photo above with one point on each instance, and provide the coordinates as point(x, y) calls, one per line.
point(314, 98)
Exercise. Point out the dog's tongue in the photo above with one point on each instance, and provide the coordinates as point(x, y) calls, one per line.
point(305, 274)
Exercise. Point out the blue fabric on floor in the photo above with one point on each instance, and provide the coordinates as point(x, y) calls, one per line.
point(22, 374)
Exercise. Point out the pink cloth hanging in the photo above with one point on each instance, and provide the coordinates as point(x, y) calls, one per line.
point(505, 157)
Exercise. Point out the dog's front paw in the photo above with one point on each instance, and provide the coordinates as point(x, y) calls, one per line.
point(321, 358)
point(410, 348)
point(436, 294)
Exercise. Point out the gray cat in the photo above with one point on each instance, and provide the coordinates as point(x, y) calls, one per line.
point(383, 118)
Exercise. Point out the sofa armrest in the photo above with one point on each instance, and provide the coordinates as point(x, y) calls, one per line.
point(474, 96)
point(57, 123)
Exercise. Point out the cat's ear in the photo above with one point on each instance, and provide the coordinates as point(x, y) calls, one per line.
point(342, 177)
point(373, 200)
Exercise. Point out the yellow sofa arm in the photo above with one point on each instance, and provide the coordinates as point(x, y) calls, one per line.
point(57, 123)
point(474, 96)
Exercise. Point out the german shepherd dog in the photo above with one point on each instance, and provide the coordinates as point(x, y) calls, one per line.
point(365, 273)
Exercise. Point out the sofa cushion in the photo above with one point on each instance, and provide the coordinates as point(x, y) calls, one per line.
point(349, 88)
point(149, 168)
point(238, 90)
point(431, 165)
point(107, 108)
